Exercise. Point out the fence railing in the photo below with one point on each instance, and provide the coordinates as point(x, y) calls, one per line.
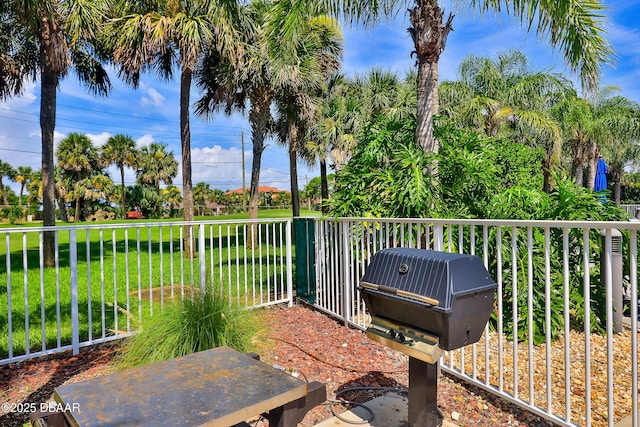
point(106, 278)
point(551, 346)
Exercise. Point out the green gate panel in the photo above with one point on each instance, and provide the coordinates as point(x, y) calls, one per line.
point(305, 258)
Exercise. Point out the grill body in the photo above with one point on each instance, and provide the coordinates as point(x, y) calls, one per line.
point(450, 296)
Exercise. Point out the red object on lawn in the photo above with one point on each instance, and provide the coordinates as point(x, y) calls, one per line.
point(134, 215)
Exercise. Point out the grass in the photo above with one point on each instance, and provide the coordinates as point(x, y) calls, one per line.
point(209, 320)
point(118, 284)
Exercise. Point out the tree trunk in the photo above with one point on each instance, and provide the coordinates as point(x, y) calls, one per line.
point(259, 117)
point(593, 163)
point(324, 186)
point(21, 193)
point(4, 193)
point(48, 94)
point(579, 152)
point(429, 37)
point(76, 216)
point(124, 193)
point(546, 174)
point(293, 170)
point(185, 138)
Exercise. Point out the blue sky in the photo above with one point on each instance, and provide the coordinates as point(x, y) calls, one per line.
point(151, 112)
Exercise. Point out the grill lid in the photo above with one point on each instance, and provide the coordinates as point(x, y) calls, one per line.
point(426, 277)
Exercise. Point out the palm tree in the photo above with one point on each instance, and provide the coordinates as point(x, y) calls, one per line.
point(575, 27)
point(312, 58)
point(163, 34)
point(502, 96)
point(23, 177)
point(228, 85)
point(156, 165)
point(6, 170)
point(79, 161)
point(333, 133)
point(172, 195)
point(47, 37)
point(121, 151)
point(201, 193)
point(619, 117)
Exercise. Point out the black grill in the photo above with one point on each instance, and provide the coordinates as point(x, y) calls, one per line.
point(422, 303)
point(447, 295)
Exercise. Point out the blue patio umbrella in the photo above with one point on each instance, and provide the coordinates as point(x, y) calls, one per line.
point(600, 183)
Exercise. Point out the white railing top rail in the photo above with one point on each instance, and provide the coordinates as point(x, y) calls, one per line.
point(627, 225)
point(145, 224)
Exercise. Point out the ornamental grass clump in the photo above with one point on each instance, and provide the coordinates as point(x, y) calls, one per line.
point(209, 320)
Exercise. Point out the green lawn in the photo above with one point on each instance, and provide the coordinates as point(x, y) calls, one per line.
point(128, 280)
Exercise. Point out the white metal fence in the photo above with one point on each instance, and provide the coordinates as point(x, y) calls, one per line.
point(557, 287)
point(107, 277)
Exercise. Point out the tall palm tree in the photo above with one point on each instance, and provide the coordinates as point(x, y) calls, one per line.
point(231, 85)
point(121, 151)
point(311, 59)
point(46, 38)
point(333, 133)
point(79, 161)
point(167, 33)
point(573, 26)
point(6, 170)
point(156, 165)
point(23, 177)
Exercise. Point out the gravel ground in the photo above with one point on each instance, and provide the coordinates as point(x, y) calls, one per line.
point(321, 349)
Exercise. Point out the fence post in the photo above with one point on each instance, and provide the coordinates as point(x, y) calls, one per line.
point(304, 232)
point(346, 270)
point(201, 257)
point(615, 268)
point(438, 237)
point(73, 267)
point(289, 262)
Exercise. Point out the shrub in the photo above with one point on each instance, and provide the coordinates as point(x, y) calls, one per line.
point(209, 320)
point(13, 213)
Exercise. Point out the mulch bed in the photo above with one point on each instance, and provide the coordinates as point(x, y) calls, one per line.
point(300, 340)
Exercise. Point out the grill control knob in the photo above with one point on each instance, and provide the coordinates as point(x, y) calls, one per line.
point(401, 337)
point(392, 333)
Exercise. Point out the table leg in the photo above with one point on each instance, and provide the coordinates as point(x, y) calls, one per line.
point(284, 416)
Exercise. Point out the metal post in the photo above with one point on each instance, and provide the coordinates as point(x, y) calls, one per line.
point(73, 263)
point(423, 394)
point(202, 260)
point(289, 261)
point(616, 273)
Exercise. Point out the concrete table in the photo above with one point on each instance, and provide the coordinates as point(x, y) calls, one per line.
point(219, 388)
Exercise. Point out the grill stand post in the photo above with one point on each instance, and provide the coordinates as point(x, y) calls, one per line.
point(423, 394)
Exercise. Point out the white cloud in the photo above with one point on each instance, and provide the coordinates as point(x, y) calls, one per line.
point(99, 140)
point(144, 141)
point(153, 97)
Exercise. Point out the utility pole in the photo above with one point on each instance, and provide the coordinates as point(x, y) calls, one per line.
point(244, 177)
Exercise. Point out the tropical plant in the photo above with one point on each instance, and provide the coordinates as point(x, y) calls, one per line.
point(121, 151)
point(228, 85)
point(6, 170)
point(173, 196)
point(504, 97)
point(47, 38)
point(155, 165)
point(314, 56)
point(576, 28)
point(202, 192)
point(22, 176)
point(164, 34)
point(208, 320)
point(81, 168)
